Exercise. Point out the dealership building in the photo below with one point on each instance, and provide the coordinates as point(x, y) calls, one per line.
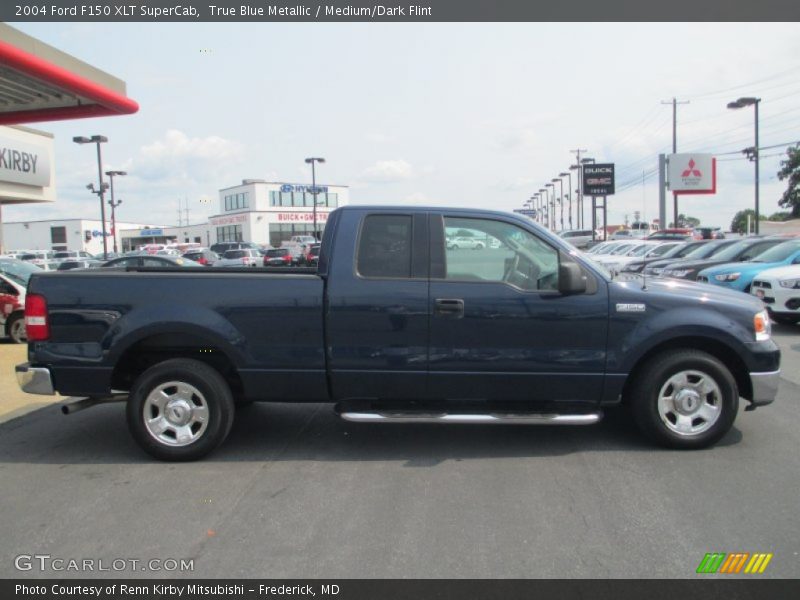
point(268, 212)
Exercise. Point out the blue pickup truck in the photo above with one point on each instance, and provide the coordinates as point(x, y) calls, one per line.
point(395, 327)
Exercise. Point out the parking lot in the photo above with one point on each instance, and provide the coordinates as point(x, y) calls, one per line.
point(295, 492)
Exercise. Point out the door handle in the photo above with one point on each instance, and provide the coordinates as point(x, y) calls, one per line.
point(449, 307)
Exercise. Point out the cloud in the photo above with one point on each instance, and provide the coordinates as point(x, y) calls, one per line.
point(389, 171)
point(177, 157)
point(378, 137)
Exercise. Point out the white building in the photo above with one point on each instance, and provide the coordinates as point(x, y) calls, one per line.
point(268, 212)
point(60, 234)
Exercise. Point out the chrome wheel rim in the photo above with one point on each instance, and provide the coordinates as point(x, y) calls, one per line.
point(690, 402)
point(17, 332)
point(175, 413)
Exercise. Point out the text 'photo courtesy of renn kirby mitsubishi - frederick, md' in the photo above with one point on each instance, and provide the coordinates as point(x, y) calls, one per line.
point(455, 299)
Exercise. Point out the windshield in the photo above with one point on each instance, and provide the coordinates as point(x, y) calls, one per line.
point(779, 253)
point(733, 251)
point(314, 251)
point(236, 254)
point(621, 249)
point(275, 253)
point(18, 271)
point(640, 250)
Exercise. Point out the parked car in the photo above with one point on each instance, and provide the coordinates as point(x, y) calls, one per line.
point(14, 277)
point(470, 243)
point(779, 289)
point(150, 260)
point(739, 276)
point(671, 251)
point(222, 247)
point(393, 327)
point(204, 256)
point(244, 257)
point(37, 257)
point(710, 233)
point(700, 249)
point(740, 251)
point(580, 238)
point(69, 264)
point(679, 233)
point(312, 255)
point(279, 257)
point(615, 263)
point(622, 234)
point(76, 255)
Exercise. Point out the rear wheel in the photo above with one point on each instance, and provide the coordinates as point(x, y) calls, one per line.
point(15, 328)
point(180, 410)
point(684, 399)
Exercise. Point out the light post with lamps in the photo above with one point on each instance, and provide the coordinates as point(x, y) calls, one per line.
point(552, 210)
point(312, 161)
point(741, 103)
point(569, 194)
point(114, 205)
point(586, 161)
point(560, 183)
point(545, 212)
point(101, 192)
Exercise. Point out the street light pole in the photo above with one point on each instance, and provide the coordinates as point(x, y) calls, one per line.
point(114, 205)
point(312, 161)
point(560, 183)
point(98, 139)
point(569, 195)
point(552, 210)
point(754, 102)
point(545, 201)
point(585, 161)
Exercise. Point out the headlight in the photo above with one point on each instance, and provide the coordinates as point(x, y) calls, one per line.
point(790, 283)
point(728, 277)
point(679, 272)
point(762, 326)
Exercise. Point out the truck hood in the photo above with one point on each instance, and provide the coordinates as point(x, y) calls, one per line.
point(687, 293)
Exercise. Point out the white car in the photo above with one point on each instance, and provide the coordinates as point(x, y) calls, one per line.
point(244, 257)
point(779, 289)
point(642, 251)
point(580, 238)
point(615, 248)
point(470, 243)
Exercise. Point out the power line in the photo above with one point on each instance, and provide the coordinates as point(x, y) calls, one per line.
point(744, 85)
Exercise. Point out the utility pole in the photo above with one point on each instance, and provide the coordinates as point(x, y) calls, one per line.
point(577, 152)
point(674, 103)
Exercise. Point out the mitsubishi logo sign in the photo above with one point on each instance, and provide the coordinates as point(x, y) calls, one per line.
point(692, 173)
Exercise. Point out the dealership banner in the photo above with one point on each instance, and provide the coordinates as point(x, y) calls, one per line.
point(692, 173)
point(424, 11)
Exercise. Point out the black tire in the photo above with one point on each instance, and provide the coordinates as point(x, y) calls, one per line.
point(643, 398)
point(213, 390)
point(785, 319)
point(15, 328)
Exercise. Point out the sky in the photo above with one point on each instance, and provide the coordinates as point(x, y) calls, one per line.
point(477, 115)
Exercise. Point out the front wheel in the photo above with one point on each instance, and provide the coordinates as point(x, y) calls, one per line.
point(684, 399)
point(180, 410)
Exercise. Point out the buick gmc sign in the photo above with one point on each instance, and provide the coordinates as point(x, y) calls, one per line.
point(598, 179)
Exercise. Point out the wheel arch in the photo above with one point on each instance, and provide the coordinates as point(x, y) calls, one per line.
point(719, 350)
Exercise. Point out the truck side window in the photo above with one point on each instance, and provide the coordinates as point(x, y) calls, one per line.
point(384, 249)
point(495, 251)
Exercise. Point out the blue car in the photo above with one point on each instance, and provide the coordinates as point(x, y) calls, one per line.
point(739, 276)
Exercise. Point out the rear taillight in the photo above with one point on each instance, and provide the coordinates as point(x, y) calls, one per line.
point(287, 258)
point(37, 327)
point(202, 260)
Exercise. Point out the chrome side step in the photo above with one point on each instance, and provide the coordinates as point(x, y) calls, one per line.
point(74, 404)
point(482, 419)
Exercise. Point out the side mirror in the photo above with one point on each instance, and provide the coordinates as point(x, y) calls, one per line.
point(571, 279)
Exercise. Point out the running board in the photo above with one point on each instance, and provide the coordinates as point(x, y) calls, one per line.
point(481, 419)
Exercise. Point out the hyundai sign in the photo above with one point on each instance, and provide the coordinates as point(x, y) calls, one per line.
point(308, 189)
point(598, 179)
point(692, 173)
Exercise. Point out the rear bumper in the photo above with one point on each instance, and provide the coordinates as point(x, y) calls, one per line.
point(34, 380)
point(765, 387)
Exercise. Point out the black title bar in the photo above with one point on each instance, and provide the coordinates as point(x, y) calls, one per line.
point(423, 11)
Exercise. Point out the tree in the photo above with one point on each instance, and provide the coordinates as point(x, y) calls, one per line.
point(790, 169)
point(739, 223)
point(686, 221)
point(780, 216)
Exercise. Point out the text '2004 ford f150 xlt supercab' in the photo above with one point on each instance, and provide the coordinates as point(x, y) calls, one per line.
point(394, 326)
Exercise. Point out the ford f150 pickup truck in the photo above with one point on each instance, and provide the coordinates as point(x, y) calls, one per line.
point(392, 326)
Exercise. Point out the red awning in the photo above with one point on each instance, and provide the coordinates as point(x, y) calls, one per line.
point(33, 89)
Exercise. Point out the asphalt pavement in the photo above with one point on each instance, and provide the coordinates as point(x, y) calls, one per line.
point(296, 492)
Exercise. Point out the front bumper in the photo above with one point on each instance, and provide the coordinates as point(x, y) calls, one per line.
point(34, 380)
point(765, 387)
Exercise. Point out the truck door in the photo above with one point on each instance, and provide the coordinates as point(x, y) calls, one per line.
point(500, 329)
point(377, 312)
